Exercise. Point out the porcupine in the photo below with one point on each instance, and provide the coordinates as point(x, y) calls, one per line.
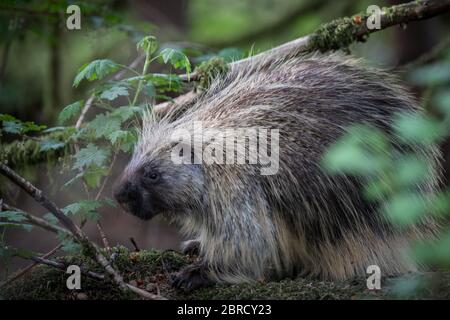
point(249, 226)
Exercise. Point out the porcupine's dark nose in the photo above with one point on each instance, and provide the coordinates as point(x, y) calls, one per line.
point(128, 196)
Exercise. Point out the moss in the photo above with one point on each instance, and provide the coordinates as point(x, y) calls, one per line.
point(208, 70)
point(395, 13)
point(152, 269)
point(337, 34)
point(340, 33)
point(26, 152)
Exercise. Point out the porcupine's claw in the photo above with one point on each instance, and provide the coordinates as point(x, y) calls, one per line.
point(192, 277)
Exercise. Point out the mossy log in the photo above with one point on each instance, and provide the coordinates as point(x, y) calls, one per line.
point(151, 270)
point(26, 152)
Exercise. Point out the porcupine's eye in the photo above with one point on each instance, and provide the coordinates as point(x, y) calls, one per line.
point(153, 176)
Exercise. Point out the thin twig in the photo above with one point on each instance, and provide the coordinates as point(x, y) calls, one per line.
point(97, 197)
point(394, 15)
point(133, 242)
point(85, 110)
point(78, 125)
point(42, 200)
point(62, 266)
point(78, 235)
point(35, 220)
point(28, 268)
point(108, 174)
point(117, 76)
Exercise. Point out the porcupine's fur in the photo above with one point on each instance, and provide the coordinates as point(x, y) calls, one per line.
point(299, 221)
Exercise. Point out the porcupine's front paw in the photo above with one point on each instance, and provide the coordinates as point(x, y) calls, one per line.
point(192, 277)
point(191, 247)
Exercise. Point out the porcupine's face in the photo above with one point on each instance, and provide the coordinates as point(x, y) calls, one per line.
point(157, 185)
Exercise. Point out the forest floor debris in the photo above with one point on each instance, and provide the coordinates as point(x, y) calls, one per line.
point(151, 270)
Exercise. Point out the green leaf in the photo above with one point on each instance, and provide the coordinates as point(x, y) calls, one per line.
point(231, 54)
point(164, 82)
point(150, 90)
point(7, 251)
point(440, 203)
point(13, 216)
point(93, 175)
point(7, 117)
point(416, 127)
point(435, 252)
point(126, 140)
point(110, 202)
point(442, 101)
point(51, 144)
point(25, 226)
point(82, 206)
point(31, 126)
point(70, 111)
point(68, 245)
point(95, 70)
point(12, 127)
point(407, 286)
point(126, 112)
point(176, 58)
point(103, 125)
point(50, 217)
point(378, 189)
point(89, 155)
point(432, 74)
point(405, 208)
point(362, 151)
point(148, 45)
point(410, 170)
point(117, 136)
point(114, 91)
point(85, 208)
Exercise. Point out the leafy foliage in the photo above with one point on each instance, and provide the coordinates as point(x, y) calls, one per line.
point(114, 91)
point(90, 155)
point(116, 106)
point(176, 58)
point(15, 126)
point(394, 181)
point(14, 219)
point(70, 111)
point(85, 208)
point(95, 70)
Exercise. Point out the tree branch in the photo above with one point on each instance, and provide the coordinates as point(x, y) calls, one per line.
point(78, 125)
point(334, 35)
point(27, 269)
point(34, 220)
point(62, 266)
point(89, 248)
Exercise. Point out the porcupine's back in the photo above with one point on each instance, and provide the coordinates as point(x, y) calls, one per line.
point(311, 100)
